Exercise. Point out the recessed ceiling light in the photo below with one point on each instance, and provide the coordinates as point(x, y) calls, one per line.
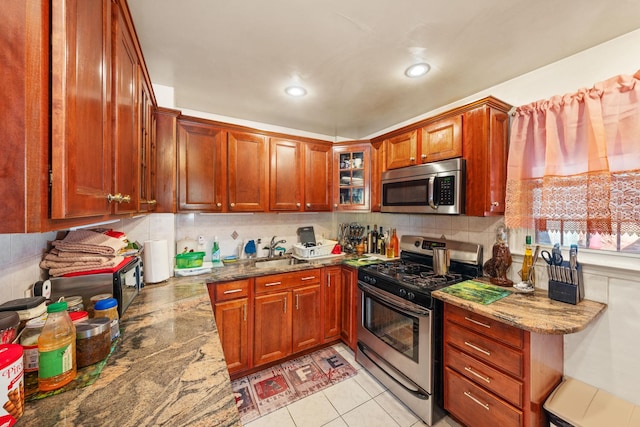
point(296, 91)
point(417, 70)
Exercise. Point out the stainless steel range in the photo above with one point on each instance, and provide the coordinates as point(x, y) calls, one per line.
point(400, 324)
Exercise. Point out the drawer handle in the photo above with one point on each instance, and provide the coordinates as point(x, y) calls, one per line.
point(470, 396)
point(308, 278)
point(477, 323)
point(232, 291)
point(273, 284)
point(475, 347)
point(482, 377)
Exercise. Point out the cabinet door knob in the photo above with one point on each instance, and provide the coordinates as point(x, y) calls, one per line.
point(126, 199)
point(495, 204)
point(152, 201)
point(232, 204)
point(298, 205)
point(308, 205)
point(335, 206)
point(424, 156)
point(114, 198)
point(218, 205)
point(412, 159)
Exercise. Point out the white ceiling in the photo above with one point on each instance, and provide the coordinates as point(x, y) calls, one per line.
point(235, 57)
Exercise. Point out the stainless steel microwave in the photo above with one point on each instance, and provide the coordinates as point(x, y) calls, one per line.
point(430, 188)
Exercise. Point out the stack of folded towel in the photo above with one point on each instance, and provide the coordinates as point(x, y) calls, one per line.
point(83, 250)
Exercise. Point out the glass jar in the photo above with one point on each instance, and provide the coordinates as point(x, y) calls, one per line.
point(78, 317)
point(9, 322)
point(109, 308)
point(56, 349)
point(93, 341)
point(29, 342)
point(93, 300)
point(74, 303)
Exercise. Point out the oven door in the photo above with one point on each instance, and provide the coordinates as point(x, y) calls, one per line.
point(395, 335)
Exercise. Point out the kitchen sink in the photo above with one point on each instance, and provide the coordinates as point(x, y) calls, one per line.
point(278, 262)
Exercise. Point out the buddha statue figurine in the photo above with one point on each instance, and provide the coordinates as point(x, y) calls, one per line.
point(501, 260)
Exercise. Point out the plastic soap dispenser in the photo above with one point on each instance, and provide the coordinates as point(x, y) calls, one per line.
point(215, 251)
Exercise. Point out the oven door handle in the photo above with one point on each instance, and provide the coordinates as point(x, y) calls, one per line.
point(393, 301)
point(393, 373)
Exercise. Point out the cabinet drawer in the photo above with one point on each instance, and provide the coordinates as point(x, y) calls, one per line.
point(484, 375)
point(489, 327)
point(231, 290)
point(485, 349)
point(476, 407)
point(276, 282)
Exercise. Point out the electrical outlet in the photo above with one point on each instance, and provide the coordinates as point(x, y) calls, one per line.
point(201, 240)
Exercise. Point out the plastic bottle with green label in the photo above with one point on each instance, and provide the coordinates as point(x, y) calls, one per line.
point(215, 250)
point(57, 349)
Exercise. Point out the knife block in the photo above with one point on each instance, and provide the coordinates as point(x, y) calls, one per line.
point(567, 292)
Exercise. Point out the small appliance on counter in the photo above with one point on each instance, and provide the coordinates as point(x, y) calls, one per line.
point(124, 282)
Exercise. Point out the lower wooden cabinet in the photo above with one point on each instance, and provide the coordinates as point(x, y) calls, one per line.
point(287, 314)
point(265, 319)
point(496, 374)
point(349, 290)
point(272, 339)
point(233, 313)
point(332, 280)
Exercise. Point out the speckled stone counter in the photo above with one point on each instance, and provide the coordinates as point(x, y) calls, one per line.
point(167, 370)
point(533, 312)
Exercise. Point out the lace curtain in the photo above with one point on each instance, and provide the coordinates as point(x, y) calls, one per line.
point(574, 161)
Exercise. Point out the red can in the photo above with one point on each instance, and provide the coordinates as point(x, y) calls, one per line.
point(11, 384)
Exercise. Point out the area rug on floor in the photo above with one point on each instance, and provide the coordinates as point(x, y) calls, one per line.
point(265, 391)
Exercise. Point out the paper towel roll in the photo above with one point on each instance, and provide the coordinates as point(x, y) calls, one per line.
point(156, 261)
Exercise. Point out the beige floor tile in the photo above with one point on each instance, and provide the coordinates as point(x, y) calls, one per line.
point(338, 422)
point(346, 395)
point(312, 411)
point(398, 411)
point(369, 414)
point(280, 418)
point(369, 383)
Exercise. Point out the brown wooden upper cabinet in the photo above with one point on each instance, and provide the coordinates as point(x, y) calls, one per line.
point(126, 125)
point(401, 150)
point(82, 146)
point(299, 176)
point(201, 167)
point(286, 184)
point(318, 177)
point(441, 140)
point(351, 177)
point(247, 172)
point(148, 150)
point(485, 148)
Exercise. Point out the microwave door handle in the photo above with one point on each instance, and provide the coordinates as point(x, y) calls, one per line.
point(431, 186)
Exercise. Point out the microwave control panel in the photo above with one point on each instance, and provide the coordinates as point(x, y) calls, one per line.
point(446, 190)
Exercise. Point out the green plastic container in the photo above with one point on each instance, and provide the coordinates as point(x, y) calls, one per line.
point(189, 260)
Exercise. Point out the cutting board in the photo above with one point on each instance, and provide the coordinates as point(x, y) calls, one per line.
point(481, 293)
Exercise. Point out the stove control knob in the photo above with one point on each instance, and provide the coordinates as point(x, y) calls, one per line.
point(416, 243)
point(370, 280)
point(403, 293)
point(411, 295)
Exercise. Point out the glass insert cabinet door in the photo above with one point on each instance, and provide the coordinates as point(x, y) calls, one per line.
point(352, 165)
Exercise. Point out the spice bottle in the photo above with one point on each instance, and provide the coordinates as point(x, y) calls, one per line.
point(29, 342)
point(109, 308)
point(527, 262)
point(56, 349)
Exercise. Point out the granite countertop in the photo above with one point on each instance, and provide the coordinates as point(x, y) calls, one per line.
point(246, 268)
point(168, 368)
point(534, 312)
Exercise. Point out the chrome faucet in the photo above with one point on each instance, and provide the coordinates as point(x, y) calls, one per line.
point(273, 244)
